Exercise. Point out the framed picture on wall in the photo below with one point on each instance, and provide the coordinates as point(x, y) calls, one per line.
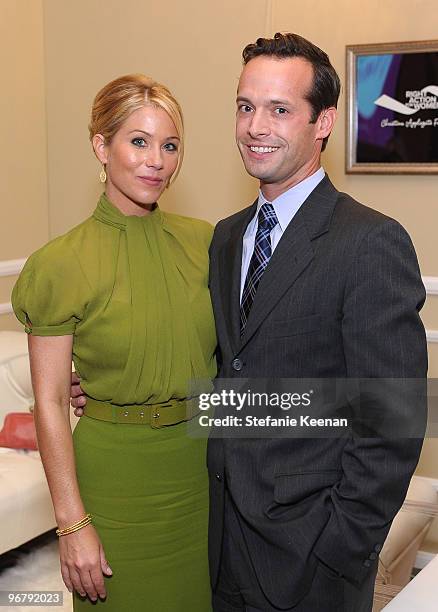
point(392, 108)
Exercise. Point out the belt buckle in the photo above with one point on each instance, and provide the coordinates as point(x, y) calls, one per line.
point(155, 420)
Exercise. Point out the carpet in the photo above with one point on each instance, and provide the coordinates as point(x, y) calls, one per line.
point(34, 567)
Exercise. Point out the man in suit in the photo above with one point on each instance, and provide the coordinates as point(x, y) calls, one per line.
point(306, 283)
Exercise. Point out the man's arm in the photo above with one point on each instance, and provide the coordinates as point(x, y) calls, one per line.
point(383, 337)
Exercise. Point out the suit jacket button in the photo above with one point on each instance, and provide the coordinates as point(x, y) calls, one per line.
point(378, 548)
point(373, 556)
point(367, 563)
point(237, 364)
point(218, 477)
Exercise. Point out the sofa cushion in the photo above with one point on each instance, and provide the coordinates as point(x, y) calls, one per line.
point(15, 384)
point(26, 509)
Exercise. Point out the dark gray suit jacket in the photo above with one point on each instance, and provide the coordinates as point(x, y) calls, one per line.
point(340, 298)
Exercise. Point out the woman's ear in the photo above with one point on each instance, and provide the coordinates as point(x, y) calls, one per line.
point(100, 148)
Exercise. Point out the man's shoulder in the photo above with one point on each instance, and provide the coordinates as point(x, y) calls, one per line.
point(356, 215)
point(225, 226)
point(233, 219)
point(345, 206)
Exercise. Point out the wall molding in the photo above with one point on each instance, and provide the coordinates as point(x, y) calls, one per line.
point(11, 267)
point(431, 284)
point(432, 335)
point(423, 558)
point(6, 308)
point(431, 481)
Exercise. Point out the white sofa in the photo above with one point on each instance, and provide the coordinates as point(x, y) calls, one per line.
point(25, 505)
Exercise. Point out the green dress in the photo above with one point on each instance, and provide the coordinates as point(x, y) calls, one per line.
point(133, 291)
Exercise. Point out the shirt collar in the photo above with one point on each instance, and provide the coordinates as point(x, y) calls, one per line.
point(287, 204)
point(107, 213)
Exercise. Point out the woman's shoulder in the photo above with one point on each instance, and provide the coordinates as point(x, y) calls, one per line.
point(50, 294)
point(64, 247)
point(62, 259)
point(189, 227)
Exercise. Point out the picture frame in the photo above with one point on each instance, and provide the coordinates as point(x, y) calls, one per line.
point(392, 108)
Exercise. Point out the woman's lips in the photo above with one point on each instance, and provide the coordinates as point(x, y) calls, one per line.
point(150, 180)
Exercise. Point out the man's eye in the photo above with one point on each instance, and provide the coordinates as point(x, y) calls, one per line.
point(170, 147)
point(280, 110)
point(245, 108)
point(138, 142)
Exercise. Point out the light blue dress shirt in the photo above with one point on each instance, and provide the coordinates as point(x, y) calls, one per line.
point(286, 206)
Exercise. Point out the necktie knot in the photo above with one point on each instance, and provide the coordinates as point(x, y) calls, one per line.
point(267, 219)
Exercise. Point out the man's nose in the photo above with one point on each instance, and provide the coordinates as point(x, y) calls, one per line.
point(259, 125)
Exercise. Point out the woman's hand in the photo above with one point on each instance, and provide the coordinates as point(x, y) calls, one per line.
point(83, 563)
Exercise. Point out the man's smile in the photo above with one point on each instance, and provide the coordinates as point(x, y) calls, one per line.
point(260, 152)
point(257, 149)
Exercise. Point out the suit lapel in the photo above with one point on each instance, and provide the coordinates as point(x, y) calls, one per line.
point(230, 265)
point(292, 255)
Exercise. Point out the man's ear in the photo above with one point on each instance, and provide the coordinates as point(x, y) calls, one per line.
point(326, 121)
point(100, 148)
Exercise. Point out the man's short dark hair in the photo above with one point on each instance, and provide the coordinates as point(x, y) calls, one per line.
point(326, 86)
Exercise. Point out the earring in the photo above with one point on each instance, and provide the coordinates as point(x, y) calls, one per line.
point(102, 175)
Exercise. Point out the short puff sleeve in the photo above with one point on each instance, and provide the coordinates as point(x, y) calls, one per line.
point(49, 297)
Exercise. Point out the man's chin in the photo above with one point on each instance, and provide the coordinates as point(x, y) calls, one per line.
point(256, 169)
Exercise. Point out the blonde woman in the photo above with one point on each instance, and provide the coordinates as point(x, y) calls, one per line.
point(125, 294)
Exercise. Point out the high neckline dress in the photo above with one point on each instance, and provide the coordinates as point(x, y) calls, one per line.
point(133, 291)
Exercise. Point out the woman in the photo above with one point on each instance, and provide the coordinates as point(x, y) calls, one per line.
point(125, 293)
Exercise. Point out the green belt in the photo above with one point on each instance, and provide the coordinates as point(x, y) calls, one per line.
point(156, 415)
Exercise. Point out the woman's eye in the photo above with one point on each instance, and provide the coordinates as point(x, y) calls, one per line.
point(138, 142)
point(170, 147)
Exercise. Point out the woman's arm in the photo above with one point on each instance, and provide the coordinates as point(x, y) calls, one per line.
point(82, 555)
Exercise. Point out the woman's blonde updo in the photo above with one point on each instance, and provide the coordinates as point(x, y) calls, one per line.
point(118, 99)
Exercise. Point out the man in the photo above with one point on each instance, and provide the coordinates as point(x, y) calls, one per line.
point(306, 283)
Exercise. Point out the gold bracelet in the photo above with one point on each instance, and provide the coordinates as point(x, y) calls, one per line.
point(75, 527)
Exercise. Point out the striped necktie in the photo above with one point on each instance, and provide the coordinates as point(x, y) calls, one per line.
point(267, 220)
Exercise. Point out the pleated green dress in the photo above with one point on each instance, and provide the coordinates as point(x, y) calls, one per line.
point(133, 292)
